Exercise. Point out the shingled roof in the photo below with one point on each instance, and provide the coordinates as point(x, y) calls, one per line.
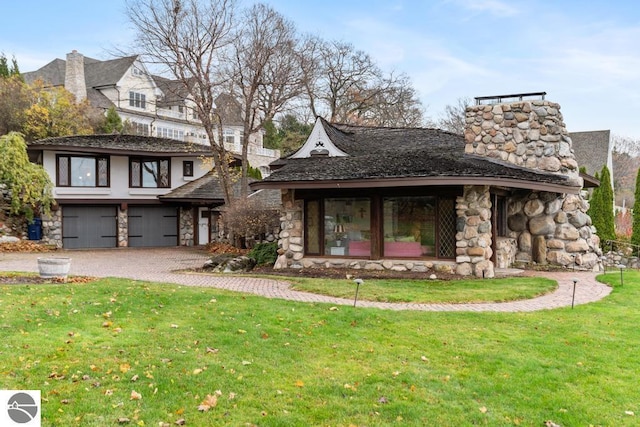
point(207, 190)
point(122, 144)
point(385, 157)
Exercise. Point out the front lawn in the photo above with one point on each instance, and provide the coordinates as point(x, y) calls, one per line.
point(430, 291)
point(120, 351)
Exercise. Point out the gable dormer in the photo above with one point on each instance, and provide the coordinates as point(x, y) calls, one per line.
point(318, 144)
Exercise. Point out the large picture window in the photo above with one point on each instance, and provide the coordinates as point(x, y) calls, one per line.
point(149, 173)
point(82, 171)
point(347, 226)
point(381, 226)
point(409, 226)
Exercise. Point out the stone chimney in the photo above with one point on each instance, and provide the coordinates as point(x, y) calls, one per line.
point(525, 132)
point(543, 227)
point(74, 80)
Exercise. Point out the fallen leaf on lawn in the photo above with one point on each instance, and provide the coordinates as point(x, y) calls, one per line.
point(383, 400)
point(424, 359)
point(395, 373)
point(180, 411)
point(209, 402)
point(483, 409)
point(125, 367)
point(180, 422)
point(135, 395)
point(65, 401)
point(232, 395)
point(106, 315)
point(108, 392)
point(94, 368)
point(242, 331)
point(174, 326)
point(197, 371)
point(212, 350)
point(246, 362)
point(629, 413)
point(299, 384)
point(135, 378)
point(107, 324)
point(124, 420)
point(334, 308)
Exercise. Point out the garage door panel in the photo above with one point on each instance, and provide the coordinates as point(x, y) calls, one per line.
point(153, 226)
point(89, 227)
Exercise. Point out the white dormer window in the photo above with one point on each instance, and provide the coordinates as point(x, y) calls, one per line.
point(137, 71)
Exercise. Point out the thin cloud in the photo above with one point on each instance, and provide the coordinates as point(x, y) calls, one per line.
point(493, 7)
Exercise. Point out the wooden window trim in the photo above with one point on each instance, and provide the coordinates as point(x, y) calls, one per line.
point(96, 171)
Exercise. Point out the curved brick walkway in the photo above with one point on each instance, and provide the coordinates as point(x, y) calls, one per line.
point(159, 264)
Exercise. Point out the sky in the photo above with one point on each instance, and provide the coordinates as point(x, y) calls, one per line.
point(584, 54)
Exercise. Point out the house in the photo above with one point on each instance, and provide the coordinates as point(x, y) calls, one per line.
point(507, 191)
point(593, 150)
point(124, 190)
point(153, 105)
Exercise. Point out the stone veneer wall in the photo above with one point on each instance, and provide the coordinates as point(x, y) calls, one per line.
point(473, 232)
point(548, 227)
point(52, 228)
point(553, 228)
point(186, 227)
point(506, 250)
point(123, 227)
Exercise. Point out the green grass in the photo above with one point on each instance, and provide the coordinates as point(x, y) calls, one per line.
point(281, 363)
point(430, 291)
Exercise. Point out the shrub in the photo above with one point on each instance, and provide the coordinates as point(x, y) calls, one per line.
point(264, 253)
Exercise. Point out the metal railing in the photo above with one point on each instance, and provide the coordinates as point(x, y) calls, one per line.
point(627, 248)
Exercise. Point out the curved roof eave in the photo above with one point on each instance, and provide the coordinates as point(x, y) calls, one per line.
point(420, 182)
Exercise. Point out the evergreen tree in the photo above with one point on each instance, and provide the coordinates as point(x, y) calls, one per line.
point(112, 122)
point(608, 220)
point(601, 208)
point(635, 236)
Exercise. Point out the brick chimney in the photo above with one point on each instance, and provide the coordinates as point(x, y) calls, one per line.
point(74, 80)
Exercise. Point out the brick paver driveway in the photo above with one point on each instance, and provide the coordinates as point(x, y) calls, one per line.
point(161, 264)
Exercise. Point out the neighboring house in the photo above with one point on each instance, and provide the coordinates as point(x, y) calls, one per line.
point(412, 199)
point(153, 105)
point(593, 151)
point(118, 190)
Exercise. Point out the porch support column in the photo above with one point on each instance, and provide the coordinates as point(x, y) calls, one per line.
point(290, 243)
point(473, 232)
point(123, 226)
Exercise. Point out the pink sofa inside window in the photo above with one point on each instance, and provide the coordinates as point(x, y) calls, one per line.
point(402, 249)
point(360, 248)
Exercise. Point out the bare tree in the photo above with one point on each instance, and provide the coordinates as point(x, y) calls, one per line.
point(454, 116)
point(345, 85)
point(189, 39)
point(264, 74)
point(394, 103)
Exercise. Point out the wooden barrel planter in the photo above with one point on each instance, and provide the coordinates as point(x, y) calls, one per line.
point(54, 267)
